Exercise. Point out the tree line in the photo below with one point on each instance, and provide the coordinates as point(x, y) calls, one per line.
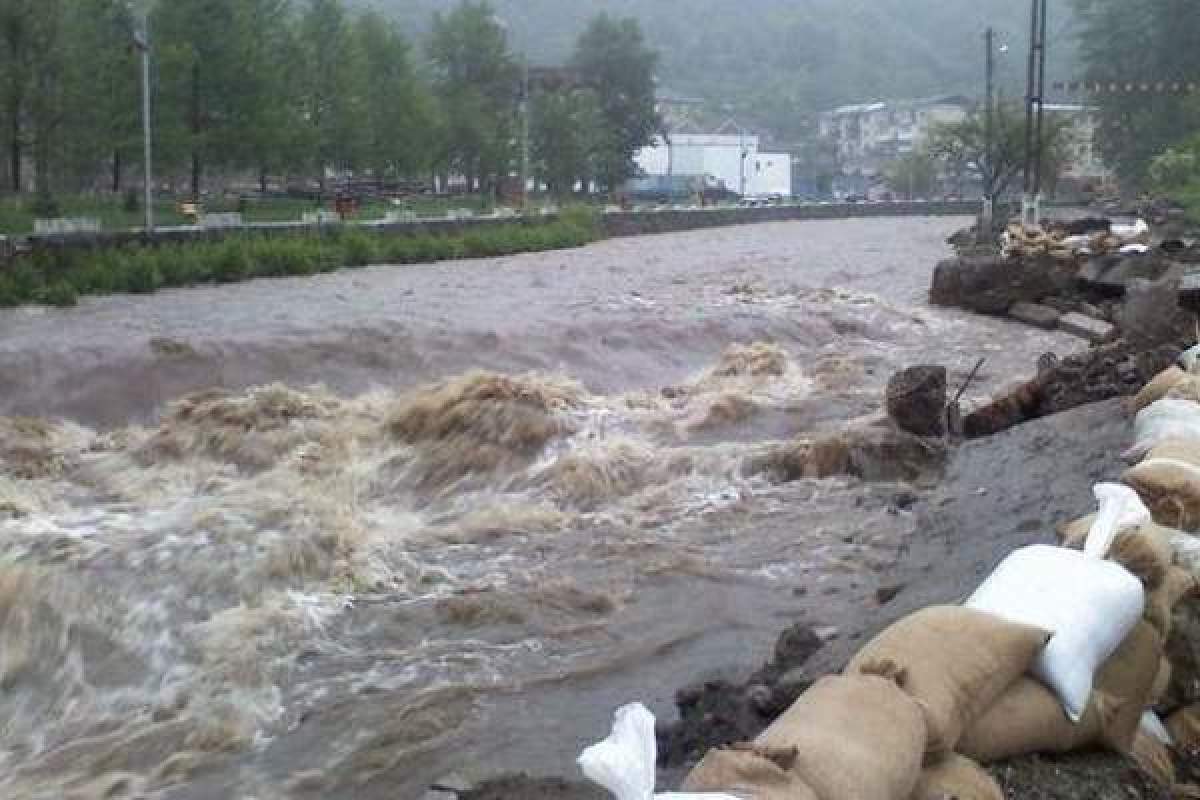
point(308, 89)
point(1142, 49)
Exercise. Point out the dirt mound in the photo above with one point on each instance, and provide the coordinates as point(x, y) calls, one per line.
point(871, 453)
point(252, 430)
point(481, 422)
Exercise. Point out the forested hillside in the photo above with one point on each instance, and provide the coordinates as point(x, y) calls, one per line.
point(775, 61)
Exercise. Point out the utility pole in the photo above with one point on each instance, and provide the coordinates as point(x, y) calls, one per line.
point(525, 136)
point(142, 41)
point(1034, 102)
point(989, 145)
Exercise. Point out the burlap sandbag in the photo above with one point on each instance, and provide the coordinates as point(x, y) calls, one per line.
point(1185, 450)
point(1028, 718)
point(1153, 758)
point(1170, 489)
point(1158, 387)
point(856, 737)
point(1125, 683)
point(1184, 726)
point(957, 661)
point(746, 773)
point(1074, 533)
point(1162, 680)
point(956, 777)
point(1160, 603)
point(1187, 389)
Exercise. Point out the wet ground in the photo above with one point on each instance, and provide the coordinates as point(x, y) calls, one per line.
point(367, 588)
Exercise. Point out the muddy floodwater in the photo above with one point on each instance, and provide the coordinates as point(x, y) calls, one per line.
point(345, 536)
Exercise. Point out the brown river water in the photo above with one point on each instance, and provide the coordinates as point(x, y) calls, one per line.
point(341, 537)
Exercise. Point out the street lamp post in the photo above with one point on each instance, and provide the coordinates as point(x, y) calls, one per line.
point(141, 39)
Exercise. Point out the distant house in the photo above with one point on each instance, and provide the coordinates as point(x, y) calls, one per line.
point(732, 159)
point(868, 136)
point(1084, 165)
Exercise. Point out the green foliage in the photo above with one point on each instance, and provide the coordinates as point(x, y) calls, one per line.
point(613, 59)
point(961, 144)
point(58, 277)
point(1149, 42)
point(913, 175)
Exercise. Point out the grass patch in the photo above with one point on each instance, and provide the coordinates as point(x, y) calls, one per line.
point(60, 277)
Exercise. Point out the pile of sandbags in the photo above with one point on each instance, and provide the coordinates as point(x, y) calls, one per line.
point(1165, 455)
point(1062, 648)
point(1061, 244)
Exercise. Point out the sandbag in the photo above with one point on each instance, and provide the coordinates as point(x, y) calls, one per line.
point(856, 737)
point(1170, 489)
point(1187, 389)
point(625, 762)
point(1158, 387)
point(748, 774)
point(956, 777)
point(1089, 605)
point(1162, 681)
point(1185, 450)
point(1153, 758)
point(1125, 683)
point(1028, 718)
point(957, 662)
point(1177, 584)
point(1184, 726)
point(1161, 421)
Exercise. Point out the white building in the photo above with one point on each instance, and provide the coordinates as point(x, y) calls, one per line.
point(869, 135)
point(1084, 163)
point(731, 159)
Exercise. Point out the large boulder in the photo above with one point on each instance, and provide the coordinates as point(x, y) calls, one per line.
point(916, 400)
point(992, 284)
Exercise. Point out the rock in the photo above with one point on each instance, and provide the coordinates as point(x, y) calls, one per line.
point(1094, 330)
point(1087, 309)
point(991, 284)
point(1036, 315)
point(886, 594)
point(916, 400)
point(795, 646)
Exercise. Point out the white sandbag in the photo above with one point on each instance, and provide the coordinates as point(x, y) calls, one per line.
point(1088, 604)
point(1169, 418)
point(1154, 726)
point(626, 761)
point(1131, 233)
point(1120, 507)
point(1190, 359)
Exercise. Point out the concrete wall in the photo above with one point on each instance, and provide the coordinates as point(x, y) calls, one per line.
point(630, 223)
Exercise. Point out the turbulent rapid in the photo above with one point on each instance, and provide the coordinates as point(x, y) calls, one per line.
point(452, 543)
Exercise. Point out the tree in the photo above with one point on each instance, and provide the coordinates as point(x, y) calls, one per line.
point(198, 43)
point(563, 134)
point(912, 175)
point(103, 122)
point(332, 101)
point(397, 110)
point(612, 57)
point(268, 106)
point(478, 82)
point(962, 145)
point(1140, 45)
point(17, 19)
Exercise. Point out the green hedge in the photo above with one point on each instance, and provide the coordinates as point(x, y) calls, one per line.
point(60, 277)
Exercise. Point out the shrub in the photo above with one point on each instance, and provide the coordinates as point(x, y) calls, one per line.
point(60, 293)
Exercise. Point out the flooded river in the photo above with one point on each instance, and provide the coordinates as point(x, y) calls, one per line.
point(344, 536)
